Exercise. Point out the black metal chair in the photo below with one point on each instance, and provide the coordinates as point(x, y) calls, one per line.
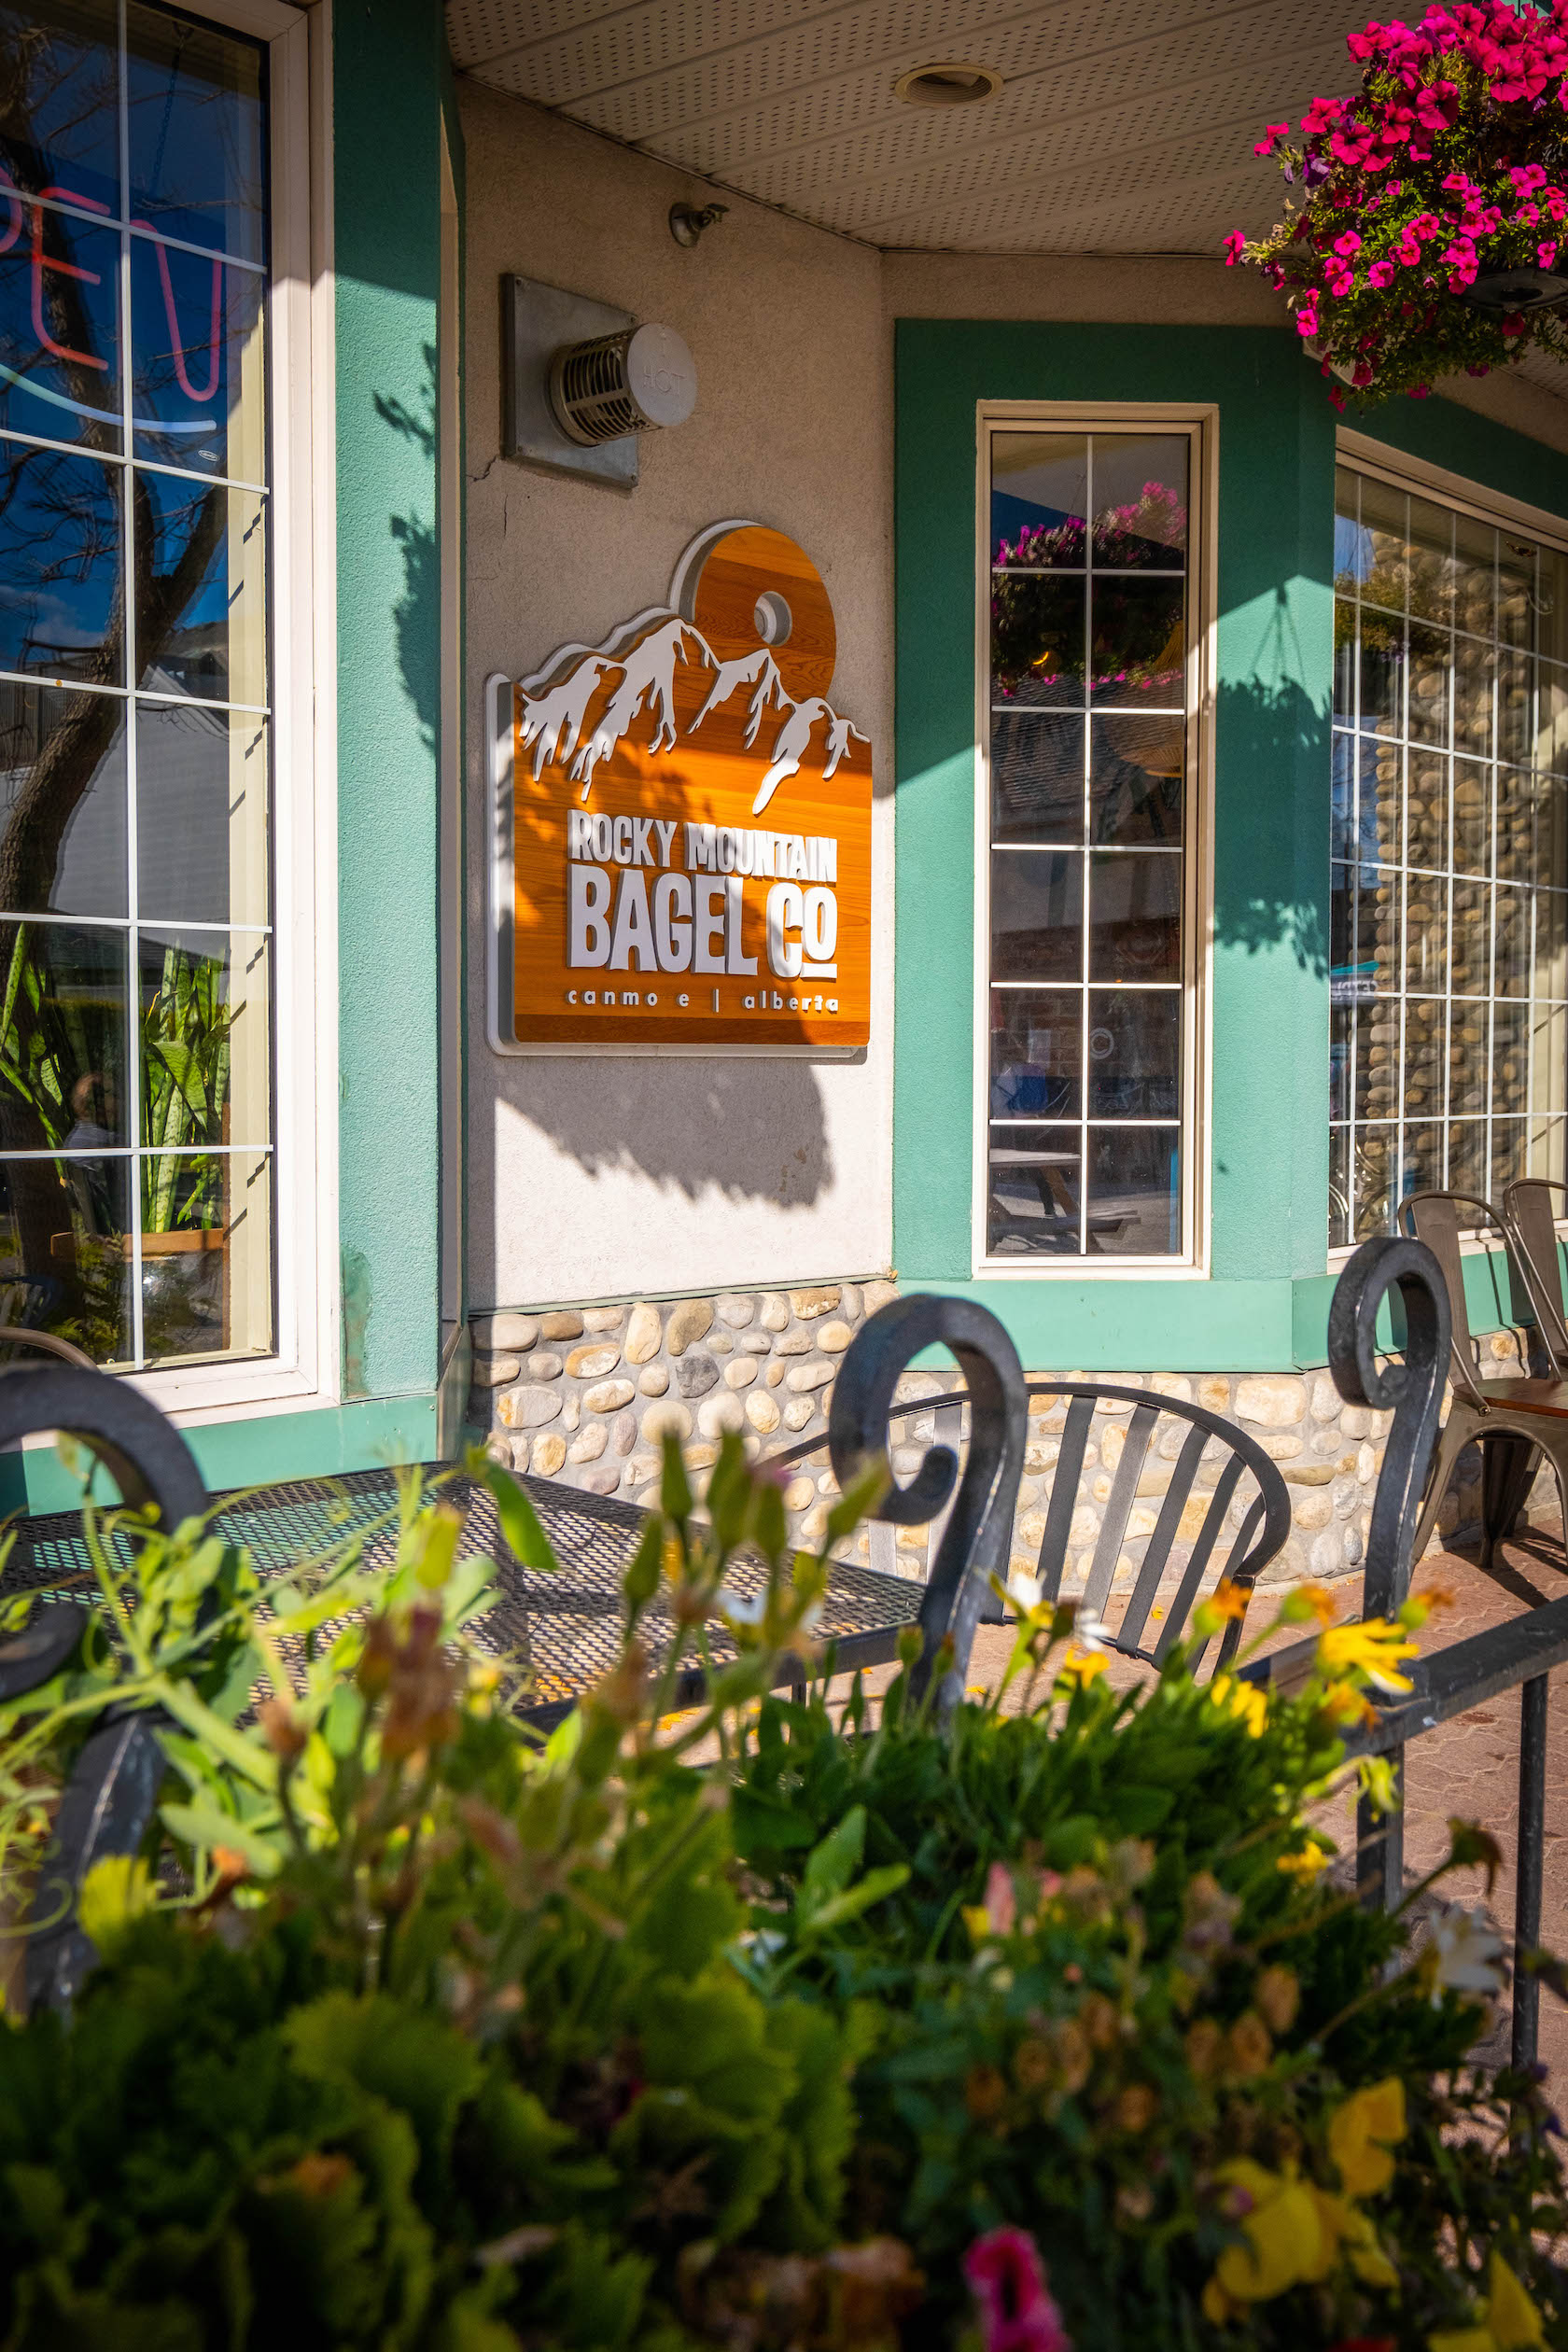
point(107, 1804)
point(1176, 1566)
point(1509, 1419)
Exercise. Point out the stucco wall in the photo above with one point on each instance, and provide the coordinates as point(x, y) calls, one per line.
point(606, 1176)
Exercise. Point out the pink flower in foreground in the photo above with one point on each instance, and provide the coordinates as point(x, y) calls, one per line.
point(1234, 246)
point(1272, 131)
point(1007, 2279)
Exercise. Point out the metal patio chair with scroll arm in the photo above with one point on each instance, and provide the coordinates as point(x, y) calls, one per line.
point(1509, 1419)
point(106, 1805)
point(1186, 1552)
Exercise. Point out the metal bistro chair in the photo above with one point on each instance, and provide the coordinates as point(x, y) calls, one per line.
point(1511, 1418)
point(1173, 1572)
point(1529, 1219)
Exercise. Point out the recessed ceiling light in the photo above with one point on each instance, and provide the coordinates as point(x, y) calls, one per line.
point(947, 84)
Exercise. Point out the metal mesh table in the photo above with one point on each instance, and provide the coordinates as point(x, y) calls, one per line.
point(567, 1626)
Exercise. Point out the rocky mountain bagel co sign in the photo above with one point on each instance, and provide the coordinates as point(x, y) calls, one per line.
point(683, 822)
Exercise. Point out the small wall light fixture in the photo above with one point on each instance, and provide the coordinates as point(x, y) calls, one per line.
point(687, 221)
point(948, 83)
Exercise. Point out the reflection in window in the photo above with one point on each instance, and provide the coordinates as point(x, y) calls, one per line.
point(1090, 623)
point(1448, 1051)
point(136, 1011)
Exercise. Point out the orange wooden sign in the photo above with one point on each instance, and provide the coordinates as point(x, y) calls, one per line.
point(683, 838)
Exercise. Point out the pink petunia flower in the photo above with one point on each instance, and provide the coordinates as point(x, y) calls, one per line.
point(1007, 2280)
point(1348, 244)
point(1235, 248)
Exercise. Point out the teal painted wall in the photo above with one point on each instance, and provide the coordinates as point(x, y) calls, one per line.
point(1264, 1303)
point(390, 77)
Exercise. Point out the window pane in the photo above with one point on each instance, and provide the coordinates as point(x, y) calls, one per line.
point(1037, 914)
point(1426, 812)
point(201, 815)
point(61, 1037)
point(135, 1022)
point(60, 566)
point(207, 1255)
point(1377, 1059)
point(1139, 502)
point(1426, 1061)
point(1135, 1196)
point(1468, 1026)
point(60, 97)
point(1036, 1053)
point(205, 1050)
point(1373, 1150)
point(1471, 818)
point(1381, 823)
point(1135, 1054)
point(1469, 1163)
point(59, 325)
point(61, 802)
point(1135, 915)
point(1037, 638)
point(197, 134)
point(1137, 650)
point(1510, 1057)
point(1033, 1191)
point(1426, 931)
point(1039, 498)
point(199, 381)
point(1386, 553)
point(1087, 613)
point(1382, 673)
point(1470, 967)
point(1432, 565)
point(1475, 682)
point(1136, 769)
point(202, 609)
point(1524, 821)
point(64, 1254)
point(1037, 777)
point(1430, 660)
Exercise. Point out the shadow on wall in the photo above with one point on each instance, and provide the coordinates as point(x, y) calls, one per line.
point(1273, 819)
point(416, 614)
point(753, 1130)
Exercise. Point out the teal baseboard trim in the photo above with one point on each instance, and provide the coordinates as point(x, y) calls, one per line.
point(1133, 1326)
point(375, 1432)
point(1489, 1303)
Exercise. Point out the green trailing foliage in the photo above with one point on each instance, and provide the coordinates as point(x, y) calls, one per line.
point(761, 2024)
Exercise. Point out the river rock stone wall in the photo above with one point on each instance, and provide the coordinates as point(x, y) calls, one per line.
point(586, 1395)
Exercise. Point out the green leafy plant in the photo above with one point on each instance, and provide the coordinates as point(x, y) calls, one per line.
point(760, 2023)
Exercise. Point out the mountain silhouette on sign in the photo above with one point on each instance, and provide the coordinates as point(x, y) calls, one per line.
point(640, 684)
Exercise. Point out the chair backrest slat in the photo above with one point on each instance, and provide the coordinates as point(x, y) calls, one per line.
point(1529, 1219)
point(1433, 1217)
point(1136, 1614)
point(1192, 1575)
point(1064, 1496)
point(1118, 1508)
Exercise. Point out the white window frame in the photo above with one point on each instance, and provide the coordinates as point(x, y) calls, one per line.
point(1399, 471)
point(1201, 423)
point(303, 1368)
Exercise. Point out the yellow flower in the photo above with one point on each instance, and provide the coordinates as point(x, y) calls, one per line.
point(1362, 2134)
point(1372, 1647)
point(1309, 1601)
point(1507, 2320)
point(1282, 2233)
point(1350, 2235)
point(1080, 1667)
point(1241, 1699)
point(1309, 1863)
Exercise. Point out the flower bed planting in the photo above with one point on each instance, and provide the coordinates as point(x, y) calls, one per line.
point(773, 2024)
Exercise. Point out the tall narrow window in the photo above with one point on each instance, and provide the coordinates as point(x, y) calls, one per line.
point(136, 1053)
point(1448, 1057)
point(1088, 813)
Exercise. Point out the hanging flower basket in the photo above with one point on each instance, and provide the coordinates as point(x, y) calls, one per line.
point(1429, 227)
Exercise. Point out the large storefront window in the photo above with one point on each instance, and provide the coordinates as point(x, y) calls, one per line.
point(1087, 817)
point(1450, 949)
point(136, 1054)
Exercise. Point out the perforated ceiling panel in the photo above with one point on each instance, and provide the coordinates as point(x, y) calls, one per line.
point(1121, 126)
